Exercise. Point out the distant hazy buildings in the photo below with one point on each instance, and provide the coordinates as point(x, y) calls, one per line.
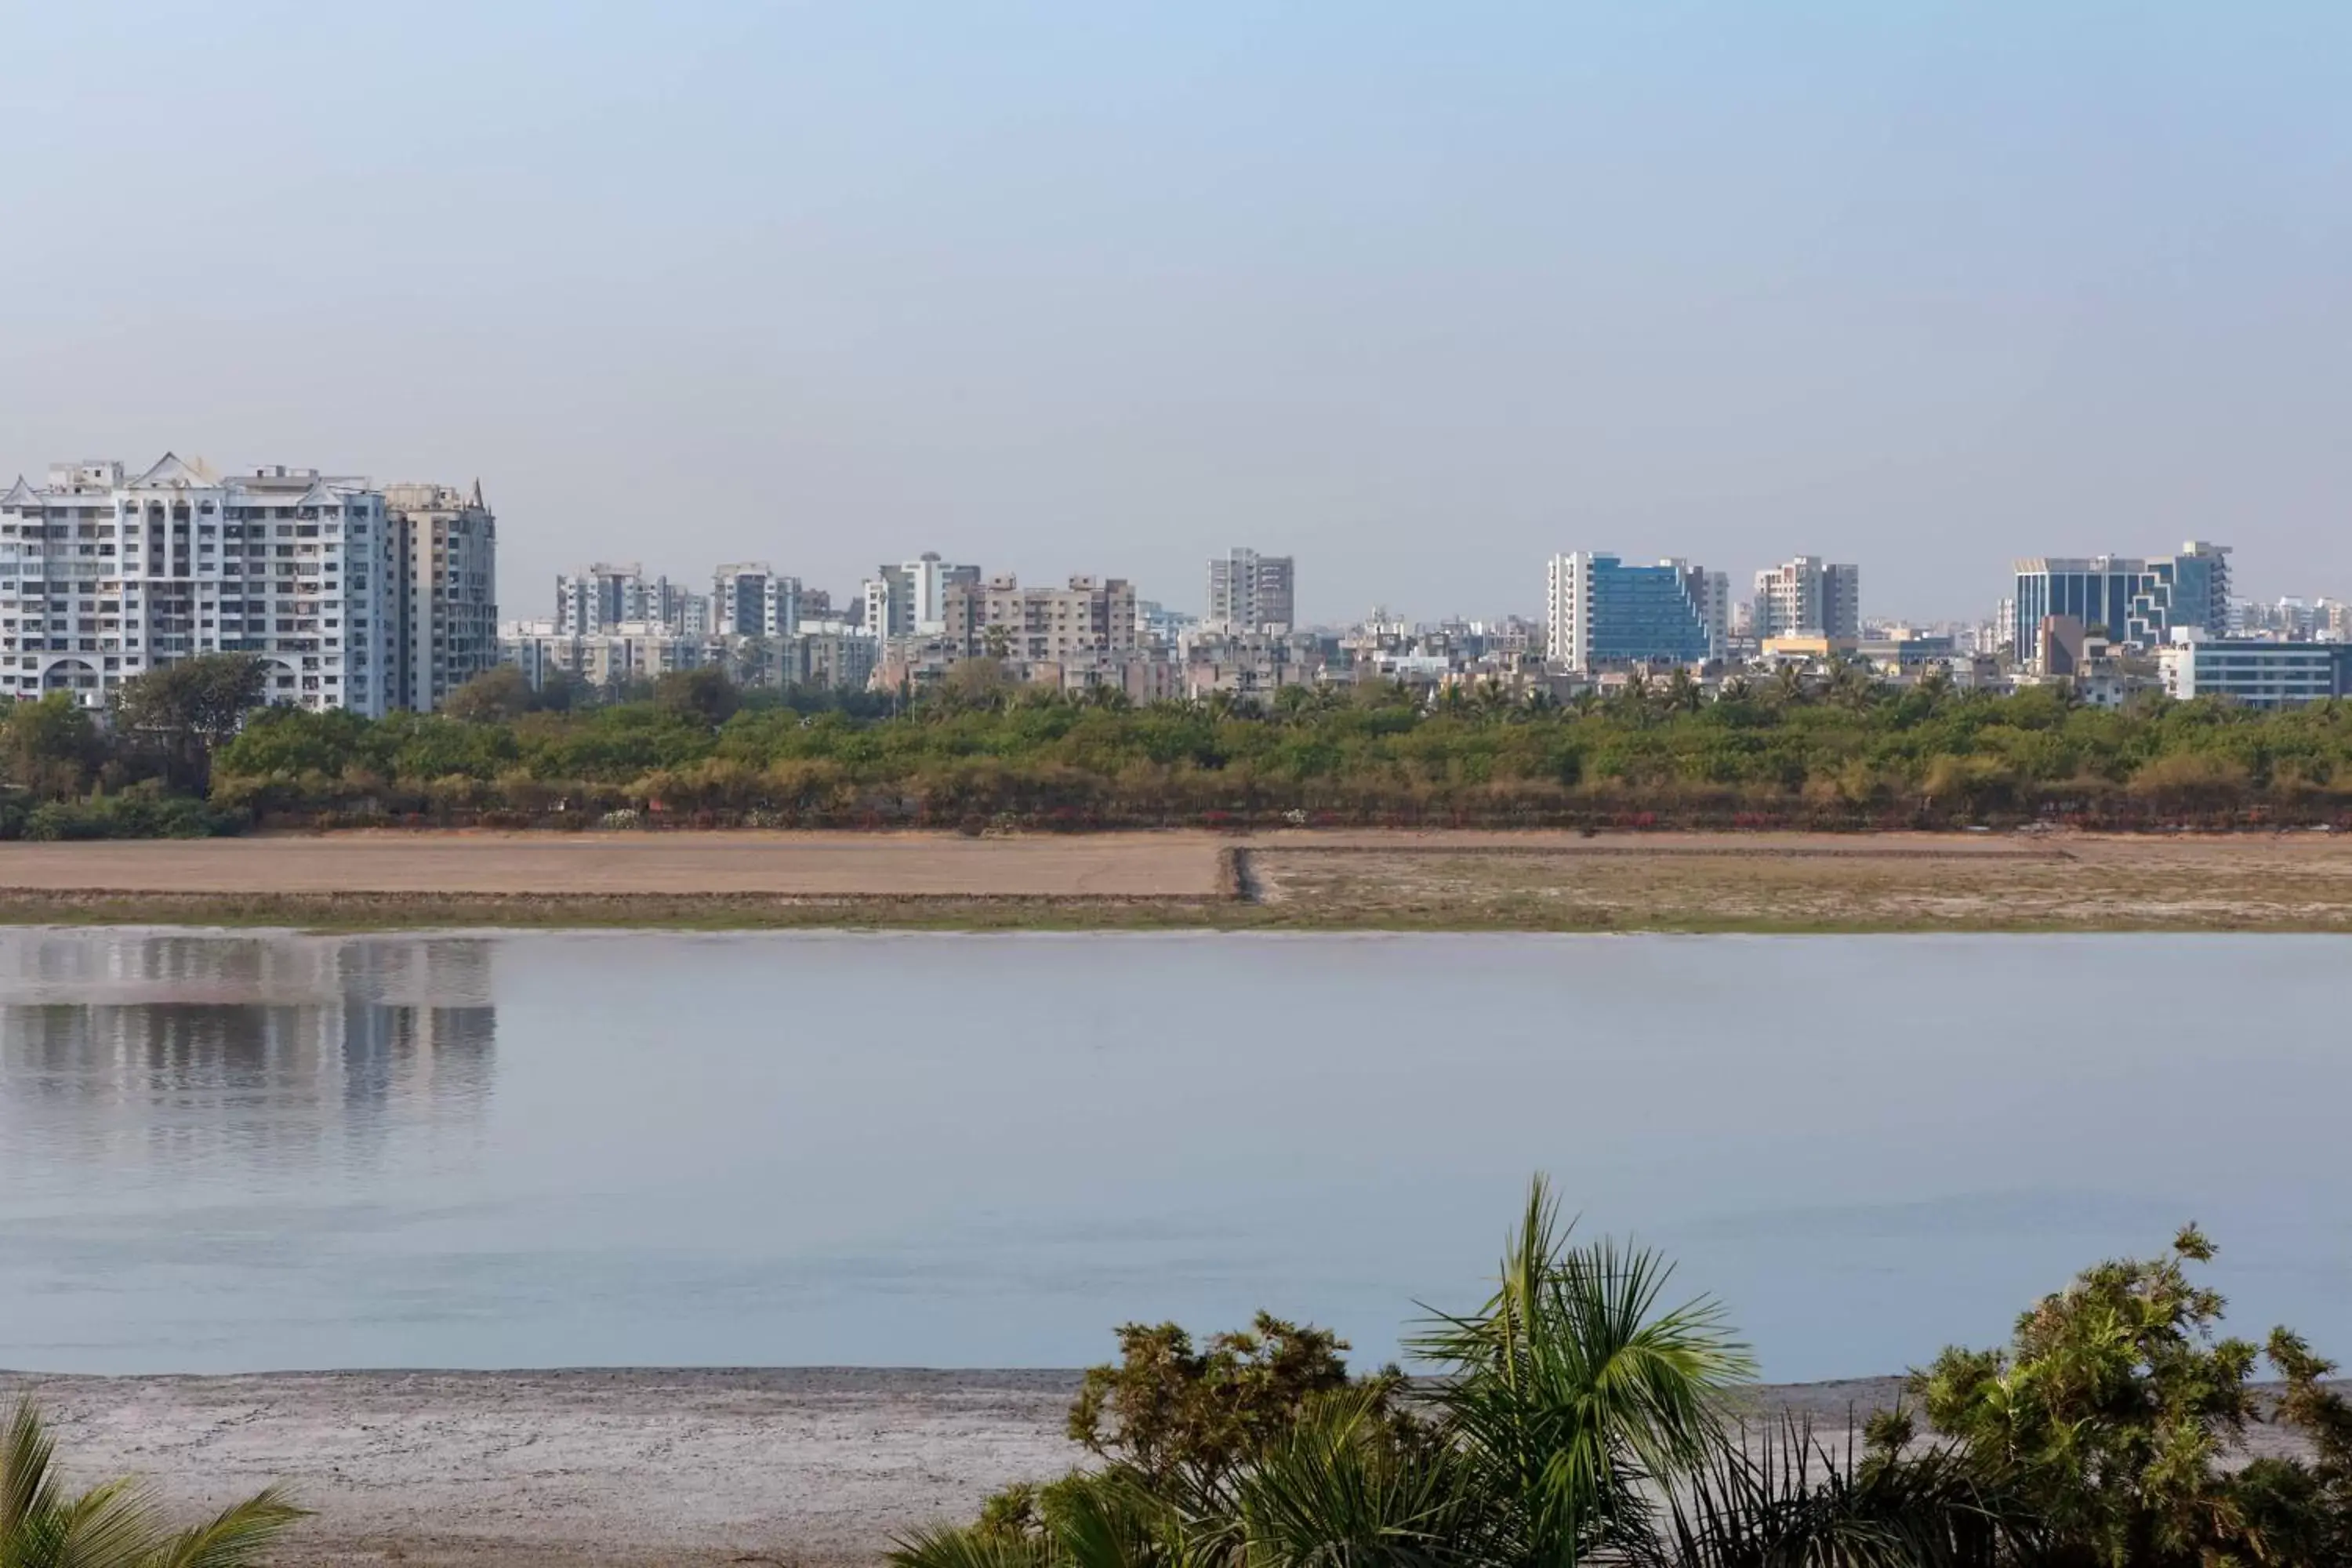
point(1252, 593)
point(1807, 597)
point(1001, 618)
point(750, 599)
point(2125, 598)
point(105, 575)
point(601, 597)
point(444, 587)
point(910, 600)
point(1597, 611)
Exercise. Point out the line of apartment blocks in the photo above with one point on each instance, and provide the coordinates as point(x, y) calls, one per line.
point(352, 596)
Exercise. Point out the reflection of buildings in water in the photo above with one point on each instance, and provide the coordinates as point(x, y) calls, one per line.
point(138, 966)
point(265, 1047)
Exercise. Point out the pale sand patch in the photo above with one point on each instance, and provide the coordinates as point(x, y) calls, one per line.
point(812, 865)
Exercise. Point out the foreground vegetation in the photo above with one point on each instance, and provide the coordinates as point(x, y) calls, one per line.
point(1576, 1419)
point(188, 751)
point(116, 1524)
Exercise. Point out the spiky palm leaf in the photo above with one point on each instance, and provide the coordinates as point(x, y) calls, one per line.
point(116, 1524)
point(1789, 1501)
point(1348, 1487)
point(1576, 1391)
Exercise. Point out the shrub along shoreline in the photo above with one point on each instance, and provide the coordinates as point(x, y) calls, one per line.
point(695, 752)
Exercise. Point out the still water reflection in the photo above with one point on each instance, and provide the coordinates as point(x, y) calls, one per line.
point(223, 1152)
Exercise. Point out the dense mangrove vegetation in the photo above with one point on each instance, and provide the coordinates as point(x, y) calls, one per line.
point(1579, 1417)
point(180, 753)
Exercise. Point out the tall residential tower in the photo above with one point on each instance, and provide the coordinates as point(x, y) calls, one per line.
point(104, 576)
point(1252, 593)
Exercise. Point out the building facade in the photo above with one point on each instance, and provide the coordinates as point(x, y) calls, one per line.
point(599, 597)
point(1808, 596)
point(1091, 617)
point(2258, 674)
point(749, 599)
point(1598, 611)
point(910, 600)
point(444, 587)
point(2125, 598)
point(104, 576)
point(1253, 593)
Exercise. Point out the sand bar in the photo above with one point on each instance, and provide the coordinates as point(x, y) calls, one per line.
point(810, 865)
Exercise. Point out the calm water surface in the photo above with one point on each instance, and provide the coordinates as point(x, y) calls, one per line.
point(252, 1151)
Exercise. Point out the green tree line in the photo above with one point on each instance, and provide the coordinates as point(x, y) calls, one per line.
point(692, 748)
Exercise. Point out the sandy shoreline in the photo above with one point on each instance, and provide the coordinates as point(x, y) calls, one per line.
point(602, 1469)
point(1317, 879)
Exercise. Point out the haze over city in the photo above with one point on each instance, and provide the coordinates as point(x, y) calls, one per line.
point(1419, 294)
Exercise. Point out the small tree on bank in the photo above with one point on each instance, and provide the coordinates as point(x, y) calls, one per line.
point(190, 709)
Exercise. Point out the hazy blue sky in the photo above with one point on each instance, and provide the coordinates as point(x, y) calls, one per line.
point(1420, 292)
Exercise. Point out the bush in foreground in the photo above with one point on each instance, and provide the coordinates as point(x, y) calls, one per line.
point(1574, 1419)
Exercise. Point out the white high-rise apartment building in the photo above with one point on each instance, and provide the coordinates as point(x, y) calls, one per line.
point(104, 576)
point(443, 589)
point(749, 599)
point(1252, 593)
point(1807, 596)
point(910, 600)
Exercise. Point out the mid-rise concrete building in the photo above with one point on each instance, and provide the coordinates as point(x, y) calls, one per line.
point(1597, 611)
point(1093, 616)
point(444, 587)
point(599, 597)
point(1252, 593)
point(832, 660)
point(105, 575)
point(622, 653)
point(1808, 596)
point(752, 600)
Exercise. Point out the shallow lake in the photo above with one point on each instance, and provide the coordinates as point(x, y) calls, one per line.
point(247, 1151)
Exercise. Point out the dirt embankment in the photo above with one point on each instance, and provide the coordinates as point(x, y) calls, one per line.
point(1470, 881)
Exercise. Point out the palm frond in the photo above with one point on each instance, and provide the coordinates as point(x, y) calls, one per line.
point(964, 1547)
point(1571, 1382)
point(1345, 1487)
point(1790, 1500)
point(29, 1487)
point(232, 1537)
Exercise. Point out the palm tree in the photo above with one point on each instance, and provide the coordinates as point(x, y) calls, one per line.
point(1575, 1394)
point(116, 1524)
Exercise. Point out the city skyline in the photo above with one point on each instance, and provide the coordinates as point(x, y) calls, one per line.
point(1421, 295)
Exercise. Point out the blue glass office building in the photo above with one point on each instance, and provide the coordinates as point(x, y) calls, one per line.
point(1603, 612)
point(2132, 600)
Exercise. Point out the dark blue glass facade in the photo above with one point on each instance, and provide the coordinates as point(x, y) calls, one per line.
point(1644, 615)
